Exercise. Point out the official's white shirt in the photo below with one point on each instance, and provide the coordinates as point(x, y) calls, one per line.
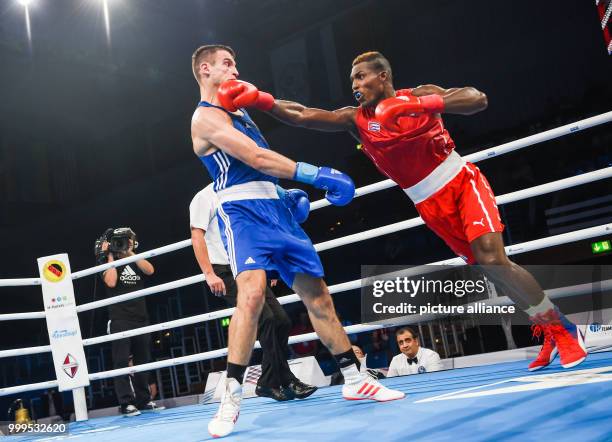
point(203, 215)
point(428, 360)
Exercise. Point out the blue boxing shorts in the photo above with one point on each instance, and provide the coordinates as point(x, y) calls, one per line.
point(262, 234)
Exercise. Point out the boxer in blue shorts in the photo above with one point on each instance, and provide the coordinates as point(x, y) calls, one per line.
point(259, 232)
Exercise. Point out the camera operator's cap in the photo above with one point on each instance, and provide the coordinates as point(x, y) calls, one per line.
point(125, 231)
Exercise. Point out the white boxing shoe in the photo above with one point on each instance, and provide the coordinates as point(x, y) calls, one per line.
point(368, 387)
point(223, 423)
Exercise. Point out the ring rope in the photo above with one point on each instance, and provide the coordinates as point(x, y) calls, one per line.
point(518, 195)
point(337, 288)
point(361, 236)
point(478, 156)
point(351, 329)
point(502, 199)
point(494, 151)
point(475, 157)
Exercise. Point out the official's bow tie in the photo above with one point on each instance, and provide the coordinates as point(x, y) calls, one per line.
point(413, 361)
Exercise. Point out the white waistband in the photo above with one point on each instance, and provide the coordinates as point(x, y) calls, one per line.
point(253, 190)
point(442, 174)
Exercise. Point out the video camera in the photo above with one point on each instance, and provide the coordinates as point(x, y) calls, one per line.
point(119, 241)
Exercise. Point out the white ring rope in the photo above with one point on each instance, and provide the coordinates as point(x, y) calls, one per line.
point(502, 199)
point(350, 285)
point(562, 292)
point(142, 292)
point(102, 267)
point(114, 300)
point(337, 288)
point(494, 151)
point(518, 195)
point(144, 255)
point(475, 157)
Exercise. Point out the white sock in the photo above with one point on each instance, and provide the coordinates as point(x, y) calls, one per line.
point(542, 307)
point(351, 374)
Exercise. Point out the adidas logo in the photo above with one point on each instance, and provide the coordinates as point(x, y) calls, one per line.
point(344, 360)
point(250, 261)
point(128, 275)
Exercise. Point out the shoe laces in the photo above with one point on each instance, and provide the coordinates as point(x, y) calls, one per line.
point(538, 330)
point(373, 379)
point(228, 406)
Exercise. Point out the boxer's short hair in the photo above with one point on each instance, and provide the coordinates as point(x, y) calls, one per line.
point(376, 60)
point(204, 53)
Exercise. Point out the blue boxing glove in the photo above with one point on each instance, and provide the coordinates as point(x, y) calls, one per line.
point(296, 200)
point(340, 187)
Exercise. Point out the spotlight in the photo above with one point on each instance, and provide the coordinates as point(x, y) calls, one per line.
point(26, 8)
point(106, 21)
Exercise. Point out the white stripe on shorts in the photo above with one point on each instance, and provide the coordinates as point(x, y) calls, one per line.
point(482, 206)
point(229, 235)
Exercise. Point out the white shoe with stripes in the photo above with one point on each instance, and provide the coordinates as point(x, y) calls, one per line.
point(223, 422)
point(369, 388)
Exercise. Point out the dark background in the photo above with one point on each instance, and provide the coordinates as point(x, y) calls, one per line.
point(94, 135)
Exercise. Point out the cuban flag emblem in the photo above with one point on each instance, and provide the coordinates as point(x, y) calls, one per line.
point(373, 126)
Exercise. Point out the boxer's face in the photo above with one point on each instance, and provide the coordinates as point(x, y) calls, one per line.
point(407, 344)
point(222, 67)
point(369, 83)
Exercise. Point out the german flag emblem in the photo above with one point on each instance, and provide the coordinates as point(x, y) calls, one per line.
point(54, 271)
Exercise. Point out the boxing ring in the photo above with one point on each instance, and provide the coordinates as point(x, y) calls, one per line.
point(490, 403)
point(449, 404)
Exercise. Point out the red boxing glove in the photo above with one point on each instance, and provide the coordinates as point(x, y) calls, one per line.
point(233, 94)
point(391, 109)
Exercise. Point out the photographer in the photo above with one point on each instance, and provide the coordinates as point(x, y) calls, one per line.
point(117, 244)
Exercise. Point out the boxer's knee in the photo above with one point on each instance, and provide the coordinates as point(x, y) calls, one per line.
point(492, 259)
point(251, 292)
point(489, 250)
point(251, 300)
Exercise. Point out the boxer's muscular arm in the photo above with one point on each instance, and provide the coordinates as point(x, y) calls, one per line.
point(211, 128)
point(462, 101)
point(296, 114)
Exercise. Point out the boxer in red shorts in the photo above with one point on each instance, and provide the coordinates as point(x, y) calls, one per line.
point(402, 132)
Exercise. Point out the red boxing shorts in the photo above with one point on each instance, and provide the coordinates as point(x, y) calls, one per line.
point(462, 210)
